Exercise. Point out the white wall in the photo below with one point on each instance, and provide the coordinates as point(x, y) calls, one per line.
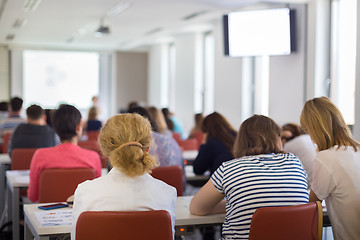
point(287, 77)
point(132, 76)
point(228, 81)
point(185, 74)
point(4, 74)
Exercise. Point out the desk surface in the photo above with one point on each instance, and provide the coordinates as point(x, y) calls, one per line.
point(183, 218)
point(5, 158)
point(190, 155)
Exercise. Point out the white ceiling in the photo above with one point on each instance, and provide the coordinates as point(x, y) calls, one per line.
point(56, 23)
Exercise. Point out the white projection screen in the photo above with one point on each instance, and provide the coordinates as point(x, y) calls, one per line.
point(54, 77)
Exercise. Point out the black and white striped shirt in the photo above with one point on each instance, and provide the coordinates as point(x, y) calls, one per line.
point(258, 181)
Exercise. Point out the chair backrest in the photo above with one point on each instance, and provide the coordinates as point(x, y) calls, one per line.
point(93, 135)
point(6, 141)
point(139, 225)
point(94, 146)
point(189, 144)
point(21, 158)
point(172, 175)
point(57, 184)
point(291, 222)
point(199, 136)
point(177, 137)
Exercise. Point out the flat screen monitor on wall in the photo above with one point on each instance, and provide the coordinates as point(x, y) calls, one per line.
point(260, 32)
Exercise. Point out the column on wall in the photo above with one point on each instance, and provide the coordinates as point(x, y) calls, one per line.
point(356, 130)
point(4, 74)
point(188, 70)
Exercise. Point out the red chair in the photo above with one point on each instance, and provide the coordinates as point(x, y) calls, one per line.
point(6, 142)
point(189, 144)
point(94, 146)
point(199, 136)
point(93, 135)
point(177, 137)
point(172, 175)
point(21, 158)
point(111, 225)
point(57, 184)
point(291, 222)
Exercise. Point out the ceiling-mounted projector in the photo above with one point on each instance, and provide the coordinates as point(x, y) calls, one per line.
point(103, 30)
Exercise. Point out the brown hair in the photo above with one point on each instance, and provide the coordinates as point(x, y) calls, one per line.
point(257, 135)
point(93, 113)
point(215, 125)
point(158, 117)
point(295, 129)
point(131, 159)
point(199, 118)
point(325, 124)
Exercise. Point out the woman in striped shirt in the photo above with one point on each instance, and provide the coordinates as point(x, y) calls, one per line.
point(260, 176)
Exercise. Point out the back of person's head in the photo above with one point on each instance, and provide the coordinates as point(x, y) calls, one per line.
point(143, 112)
point(16, 104)
point(4, 106)
point(257, 135)
point(35, 112)
point(295, 129)
point(325, 124)
point(66, 120)
point(215, 125)
point(199, 118)
point(125, 139)
point(158, 118)
point(132, 104)
point(49, 116)
point(93, 113)
point(168, 121)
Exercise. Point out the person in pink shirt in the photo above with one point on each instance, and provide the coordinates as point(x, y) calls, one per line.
point(67, 124)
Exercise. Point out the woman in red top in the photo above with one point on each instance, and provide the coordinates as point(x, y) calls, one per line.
point(67, 124)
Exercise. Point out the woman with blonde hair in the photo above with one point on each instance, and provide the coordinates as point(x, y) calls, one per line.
point(260, 176)
point(125, 139)
point(336, 167)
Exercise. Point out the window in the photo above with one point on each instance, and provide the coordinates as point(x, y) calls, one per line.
point(343, 54)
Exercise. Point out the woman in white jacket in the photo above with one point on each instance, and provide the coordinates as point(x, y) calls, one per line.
point(126, 140)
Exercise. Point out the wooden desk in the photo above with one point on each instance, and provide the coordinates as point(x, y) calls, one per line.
point(16, 180)
point(183, 220)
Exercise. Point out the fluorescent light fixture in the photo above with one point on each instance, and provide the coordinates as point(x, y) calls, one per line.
point(20, 23)
point(88, 28)
point(31, 5)
point(118, 8)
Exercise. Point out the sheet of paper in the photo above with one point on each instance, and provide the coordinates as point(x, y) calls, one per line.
point(54, 217)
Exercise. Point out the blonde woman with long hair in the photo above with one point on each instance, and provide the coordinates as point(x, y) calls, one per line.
point(336, 170)
point(125, 139)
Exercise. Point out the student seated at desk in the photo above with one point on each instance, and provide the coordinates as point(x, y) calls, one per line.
point(126, 140)
point(217, 146)
point(67, 124)
point(336, 170)
point(261, 176)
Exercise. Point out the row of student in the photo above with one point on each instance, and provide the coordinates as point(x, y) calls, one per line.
point(261, 174)
point(258, 151)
